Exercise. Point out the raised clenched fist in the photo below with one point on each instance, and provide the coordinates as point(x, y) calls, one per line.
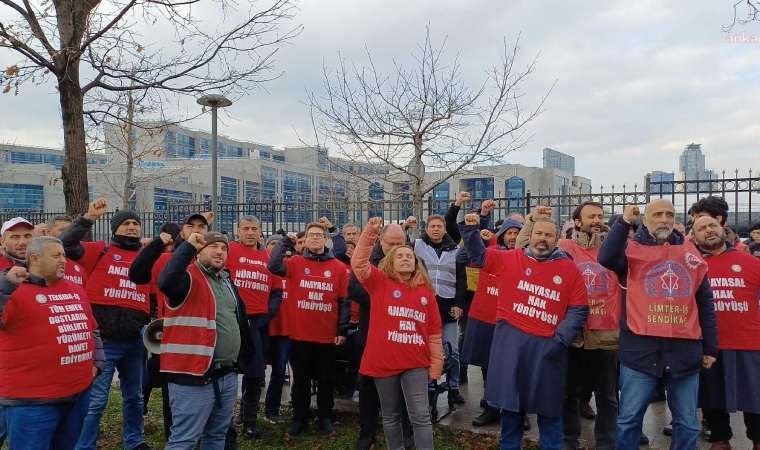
point(486, 235)
point(487, 207)
point(542, 212)
point(472, 219)
point(166, 238)
point(196, 240)
point(374, 224)
point(96, 209)
point(325, 222)
point(631, 214)
point(17, 274)
point(462, 198)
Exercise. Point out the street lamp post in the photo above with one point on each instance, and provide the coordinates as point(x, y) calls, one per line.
point(214, 101)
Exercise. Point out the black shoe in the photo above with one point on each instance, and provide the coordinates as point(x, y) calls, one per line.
point(667, 430)
point(489, 416)
point(365, 443)
point(483, 403)
point(325, 426)
point(252, 432)
point(587, 411)
point(526, 423)
point(297, 427)
point(455, 397)
point(643, 440)
point(143, 446)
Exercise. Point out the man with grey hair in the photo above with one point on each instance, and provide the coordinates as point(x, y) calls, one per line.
point(262, 294)
point(667, 327)
point(46, 323)
point(351, 232)
point(541, 306)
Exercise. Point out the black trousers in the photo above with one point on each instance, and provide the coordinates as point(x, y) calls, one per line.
point(253, 382)
point(720, 425)
point(312, 361)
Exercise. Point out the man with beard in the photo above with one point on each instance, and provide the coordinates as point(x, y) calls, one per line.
point(667, 327)
point(731, 384)
point(541, 306)
point(593, 356)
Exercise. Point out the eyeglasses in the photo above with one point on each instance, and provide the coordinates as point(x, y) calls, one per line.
point(315, 235)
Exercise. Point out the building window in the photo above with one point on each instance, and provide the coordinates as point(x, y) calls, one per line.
point(296, 194)
point(21, 197)
point(278, 158)
point(480, 189)
point(441, 198)
point(376, 197)
point(268, 183)
point(228, 199)
point(515, 189)
point(332, 195)
point(163, 200)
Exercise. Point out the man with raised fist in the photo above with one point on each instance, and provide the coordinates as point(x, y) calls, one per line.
point(49, 350)
point(667, 326)
point(122, 309)
point(205, 341)
point(541, 306)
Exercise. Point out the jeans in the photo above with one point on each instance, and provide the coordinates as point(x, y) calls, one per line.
point(313, 361)
point(597, 369)
point(54, 426)
point(3, 430)
point(280, 351)
point(128, 357)
point(202, 413)
point(450, 336)
point(549, 431)
point(407, 388)
point(635, 391)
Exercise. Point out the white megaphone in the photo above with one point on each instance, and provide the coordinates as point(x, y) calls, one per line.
point(152, 336)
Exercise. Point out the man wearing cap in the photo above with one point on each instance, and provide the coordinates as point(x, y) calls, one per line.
point(204, 343)
point(261, 292)
point(16, 234)
point(667, 326)
point(121, 309)
point(731, 384)
point(49, 350)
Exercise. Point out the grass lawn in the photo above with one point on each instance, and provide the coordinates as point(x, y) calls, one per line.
point(274, 435)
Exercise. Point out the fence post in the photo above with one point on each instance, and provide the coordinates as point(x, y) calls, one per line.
point(273, 205)
point(647, 187)
point(527, 203)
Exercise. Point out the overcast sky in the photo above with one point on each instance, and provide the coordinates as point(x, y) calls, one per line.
point(636, 80)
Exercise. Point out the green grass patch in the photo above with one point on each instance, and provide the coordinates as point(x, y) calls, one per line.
point(347, 428)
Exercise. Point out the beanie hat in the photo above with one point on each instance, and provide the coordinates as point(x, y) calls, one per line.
point(120, 217)
point(214, 236)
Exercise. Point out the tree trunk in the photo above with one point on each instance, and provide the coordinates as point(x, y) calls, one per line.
point(418, 178)
point(74, 172)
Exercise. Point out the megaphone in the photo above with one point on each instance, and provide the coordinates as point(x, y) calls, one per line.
point(152, 336)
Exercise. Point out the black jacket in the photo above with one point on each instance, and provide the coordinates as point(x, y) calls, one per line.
point(174, 282)
point(651, 354)
point(115, 322)
point(277, 266)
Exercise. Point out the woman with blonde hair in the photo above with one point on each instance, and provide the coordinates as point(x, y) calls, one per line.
point(404, 348)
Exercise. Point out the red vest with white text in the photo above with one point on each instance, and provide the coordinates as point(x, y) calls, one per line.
point(280, 323)
point(534, 295)
point(314, 288)
point(662, 286)
point(108, 283)
point(75, 273)
point(483, 307)
point(602, 285)
point(248, 270)
point(46, 342)
point(189, 337)
point(735, 282)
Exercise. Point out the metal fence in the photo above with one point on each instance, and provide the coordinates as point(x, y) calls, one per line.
point(741, 193)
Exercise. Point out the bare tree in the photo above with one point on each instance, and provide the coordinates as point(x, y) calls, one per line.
point(90, 45)
point(744, 11)
point(425, 116)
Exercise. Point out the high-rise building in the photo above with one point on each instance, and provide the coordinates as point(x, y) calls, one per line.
point(559, 161)
point(691, 164)
point(661, 182)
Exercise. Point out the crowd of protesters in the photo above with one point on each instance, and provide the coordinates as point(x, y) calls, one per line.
point(625, 310)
